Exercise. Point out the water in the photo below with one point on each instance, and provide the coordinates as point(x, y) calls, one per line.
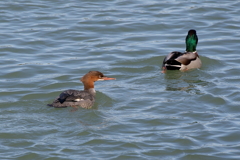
point(46, 46)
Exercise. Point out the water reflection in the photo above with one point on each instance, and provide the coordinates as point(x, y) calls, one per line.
point(184, 81)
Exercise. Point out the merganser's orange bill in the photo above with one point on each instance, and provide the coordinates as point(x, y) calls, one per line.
point(106, 78)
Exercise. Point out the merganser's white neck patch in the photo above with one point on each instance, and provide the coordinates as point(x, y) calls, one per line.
point(92, 91)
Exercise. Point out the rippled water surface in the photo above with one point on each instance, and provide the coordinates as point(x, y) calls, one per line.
point(47, 45)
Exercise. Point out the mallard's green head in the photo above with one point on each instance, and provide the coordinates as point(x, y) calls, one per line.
point(191, 41)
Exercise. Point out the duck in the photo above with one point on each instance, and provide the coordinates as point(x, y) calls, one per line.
point(84, 98)
point(184, 61)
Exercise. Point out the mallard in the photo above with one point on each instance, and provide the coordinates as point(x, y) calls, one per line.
point(186, 60)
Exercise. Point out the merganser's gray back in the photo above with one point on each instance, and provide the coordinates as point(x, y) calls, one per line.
point(74, 98)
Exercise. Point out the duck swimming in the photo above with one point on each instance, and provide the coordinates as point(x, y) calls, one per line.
point(186, 60)
point(76, 98)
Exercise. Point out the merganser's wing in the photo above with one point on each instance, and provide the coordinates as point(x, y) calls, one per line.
point(74, 95)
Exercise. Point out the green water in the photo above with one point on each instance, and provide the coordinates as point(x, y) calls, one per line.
point(46, 46)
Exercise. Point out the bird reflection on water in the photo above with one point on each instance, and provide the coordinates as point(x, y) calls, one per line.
point(184, 81)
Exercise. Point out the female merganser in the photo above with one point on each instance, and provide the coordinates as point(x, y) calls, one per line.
point(187, 60)
point(85, 98)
